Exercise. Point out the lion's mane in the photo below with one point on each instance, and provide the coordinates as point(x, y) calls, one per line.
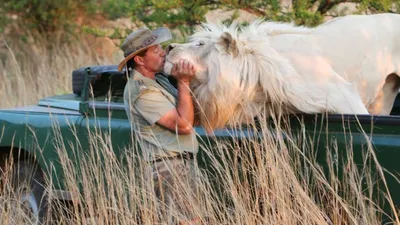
point(250, 74)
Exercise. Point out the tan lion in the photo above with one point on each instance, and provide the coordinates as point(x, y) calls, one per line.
point(349, 65)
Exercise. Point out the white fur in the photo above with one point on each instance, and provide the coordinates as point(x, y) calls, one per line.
point(341, 66)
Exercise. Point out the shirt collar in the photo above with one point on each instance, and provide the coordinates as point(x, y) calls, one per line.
point(138, 76)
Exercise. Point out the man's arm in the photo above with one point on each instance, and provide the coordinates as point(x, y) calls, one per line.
point(181, 118)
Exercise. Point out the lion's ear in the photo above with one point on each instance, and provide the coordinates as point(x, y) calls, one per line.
point(227, 44)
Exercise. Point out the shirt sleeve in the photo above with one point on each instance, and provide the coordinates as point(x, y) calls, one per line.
point(152, 105)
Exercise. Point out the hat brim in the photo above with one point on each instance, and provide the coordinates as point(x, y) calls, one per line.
point(163, 34)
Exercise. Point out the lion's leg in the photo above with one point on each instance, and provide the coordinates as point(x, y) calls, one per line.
point(383, 103)
point(346, 100)
point(352, 105)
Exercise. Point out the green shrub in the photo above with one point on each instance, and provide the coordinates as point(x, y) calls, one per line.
point(45, 16)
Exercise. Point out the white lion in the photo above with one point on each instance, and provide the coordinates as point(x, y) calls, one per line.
point(349, 65)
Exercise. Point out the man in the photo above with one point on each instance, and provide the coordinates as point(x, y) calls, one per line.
point(162, 119)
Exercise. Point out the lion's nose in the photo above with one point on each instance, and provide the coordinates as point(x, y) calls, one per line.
point(170, 47)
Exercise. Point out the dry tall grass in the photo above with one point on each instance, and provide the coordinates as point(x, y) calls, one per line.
point(273, 181)
point(30, 70)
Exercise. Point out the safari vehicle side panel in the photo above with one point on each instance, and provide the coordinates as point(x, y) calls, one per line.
point(343, 133)
point(38, 132)
point(67, 121)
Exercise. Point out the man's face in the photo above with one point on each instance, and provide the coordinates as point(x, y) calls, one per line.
point(154, 58)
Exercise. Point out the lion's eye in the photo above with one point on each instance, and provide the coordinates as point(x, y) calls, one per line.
point(200, 43)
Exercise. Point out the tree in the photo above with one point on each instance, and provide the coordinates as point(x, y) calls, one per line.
point(44, 16)
point(49, 16)
point(184, 15)
point(181, 15)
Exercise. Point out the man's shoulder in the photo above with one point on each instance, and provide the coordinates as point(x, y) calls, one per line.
point(141, 85)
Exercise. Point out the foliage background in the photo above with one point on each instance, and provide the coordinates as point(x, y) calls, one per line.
point(48, 16)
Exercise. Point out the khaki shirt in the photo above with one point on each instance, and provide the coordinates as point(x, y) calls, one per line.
point(146, 101)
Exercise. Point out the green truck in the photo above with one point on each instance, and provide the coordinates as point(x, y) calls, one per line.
point(31, 134)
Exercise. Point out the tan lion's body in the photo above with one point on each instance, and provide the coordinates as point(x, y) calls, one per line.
point(347, 65)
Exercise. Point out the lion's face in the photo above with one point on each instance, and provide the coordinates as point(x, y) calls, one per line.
point(216, 91)
point(196, 52)
point(204, 51)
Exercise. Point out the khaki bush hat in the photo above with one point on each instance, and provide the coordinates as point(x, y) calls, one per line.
point(141, 39)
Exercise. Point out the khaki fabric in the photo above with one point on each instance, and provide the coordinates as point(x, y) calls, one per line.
point(146, 102)
point(174, 184)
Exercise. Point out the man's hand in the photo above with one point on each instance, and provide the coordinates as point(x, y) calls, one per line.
point(183, 71)
point(181, 118)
